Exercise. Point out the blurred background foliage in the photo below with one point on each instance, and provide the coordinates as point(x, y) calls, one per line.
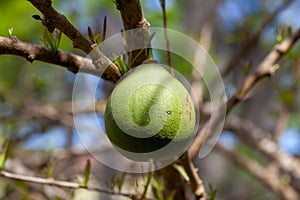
point(24, 85)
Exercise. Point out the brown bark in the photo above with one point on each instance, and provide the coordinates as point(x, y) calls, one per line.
point(53, 19)
point(137, 39)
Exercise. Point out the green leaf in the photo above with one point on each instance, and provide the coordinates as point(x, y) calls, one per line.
point(121, 63)
point(113, 181)
point(52, 40)
point(25, 197)
point(287, 97)
point(172, 195)
point(121, 181)
point(47, 39)
point(283, 33)
point(97, 38)
point(279, 38)
point(247, 70)
point(146, 186)
point(4, 154)
point(49, 171)
point(276, 67)
point(158, 188)
point(11, 31)
point(212, 191)
point(57, 38)
point(182, 171)
point(87, 172)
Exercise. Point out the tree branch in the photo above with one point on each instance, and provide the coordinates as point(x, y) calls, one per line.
point(57, 113)
point(252, 41)
point(195, 181)
point(133, 18)
point(267, 176)
point(168, 53)
point(53, 19)
point(32, 52)
point(57, 183)
point(265, 69)
point(262, 141)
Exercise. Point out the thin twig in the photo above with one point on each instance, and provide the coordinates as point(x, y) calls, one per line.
point(265, 69)
point(168, 56)
point(195, 181)
point(133, 19)
point(252, 41)
point(205, 38)
point(262, 141)
point(57, 183)
point(267, 176)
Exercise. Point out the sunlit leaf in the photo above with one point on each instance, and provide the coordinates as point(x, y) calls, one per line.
point(87, 172)
point(4, 154)
point(11, 31)
point(146, 186)
point(49, 171)
point(121, 181)
point(182, 171)
point(121, 63)
point(212, 192)
point(52, 40)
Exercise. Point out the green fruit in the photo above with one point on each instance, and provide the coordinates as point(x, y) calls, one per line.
point(149, 115)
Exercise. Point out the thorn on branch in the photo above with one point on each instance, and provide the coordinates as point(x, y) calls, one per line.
point(103, 36)
point(91, 34)
point(31, 58)
point(37, 17)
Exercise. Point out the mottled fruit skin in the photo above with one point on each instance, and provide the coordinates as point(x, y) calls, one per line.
point(149, 115)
